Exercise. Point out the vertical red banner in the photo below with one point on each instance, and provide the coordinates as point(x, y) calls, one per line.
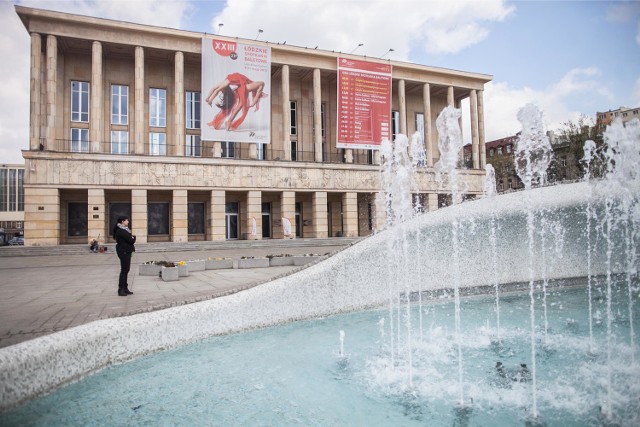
point(364, 104)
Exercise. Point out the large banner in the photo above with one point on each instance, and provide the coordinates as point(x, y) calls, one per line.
point(364, 103)
point(236, 83)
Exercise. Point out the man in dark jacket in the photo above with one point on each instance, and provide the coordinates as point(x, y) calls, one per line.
point(124, 248)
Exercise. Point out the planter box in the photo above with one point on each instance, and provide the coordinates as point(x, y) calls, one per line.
point(303, 260)
point(218, 264)
point(281, 261)
point(183, 270)
point(149, 270)
point(197, 265)
point(253, 263)
point(169, 274)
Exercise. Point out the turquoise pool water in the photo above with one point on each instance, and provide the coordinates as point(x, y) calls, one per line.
point(294, 375)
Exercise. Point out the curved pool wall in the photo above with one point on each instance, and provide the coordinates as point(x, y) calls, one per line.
point(353, 279)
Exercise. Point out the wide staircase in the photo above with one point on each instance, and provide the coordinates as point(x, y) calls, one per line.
point(18, 251)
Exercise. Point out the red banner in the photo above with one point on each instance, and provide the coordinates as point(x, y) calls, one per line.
point(364, 104)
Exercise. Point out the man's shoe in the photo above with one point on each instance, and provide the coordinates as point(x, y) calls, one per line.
point(128, 291)
point(122, 293)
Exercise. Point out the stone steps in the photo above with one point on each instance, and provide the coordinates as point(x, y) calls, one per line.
point(21, 251)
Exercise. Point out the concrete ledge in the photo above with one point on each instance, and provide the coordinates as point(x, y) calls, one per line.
point(149, 269)
point(279, 261)
point(196, 265)
point(218, 264)
point(253, 263)
point(170, 274)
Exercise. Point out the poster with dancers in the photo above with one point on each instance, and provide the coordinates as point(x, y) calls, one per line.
point(236, 83)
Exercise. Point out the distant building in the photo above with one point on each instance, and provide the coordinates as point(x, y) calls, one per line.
point(623, 113)
point(499, 154)
point(11, 202)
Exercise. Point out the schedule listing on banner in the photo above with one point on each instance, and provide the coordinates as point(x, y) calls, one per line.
point(236, 83)
point(364, 104)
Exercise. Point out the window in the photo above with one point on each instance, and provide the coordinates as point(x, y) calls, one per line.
point(157, 144)
point(509, 149)
point(499, 151)
point(298, 217)
point(624, 114)
point(266, 220)
point(119, 105)
point(322, 118)
point(294, 150)
point(157, 107)
point(119, 142)
point(231, 219)
point(228, 149)
point(510, 185)
point(491, 152)
point(80, 102)
point(294, 118)
point(77, 224)
point(79, 140)
point(635, 112)
point(395, 124)
point(260, 151)
point(500, 186)
point(193, 110)
point(193, 147)
point(196, 218)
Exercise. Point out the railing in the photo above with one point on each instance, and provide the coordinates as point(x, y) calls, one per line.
point(238, 151)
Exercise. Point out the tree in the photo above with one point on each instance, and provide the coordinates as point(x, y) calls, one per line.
point(568, 147)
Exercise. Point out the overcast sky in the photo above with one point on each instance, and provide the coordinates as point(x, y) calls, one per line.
point(571, 58)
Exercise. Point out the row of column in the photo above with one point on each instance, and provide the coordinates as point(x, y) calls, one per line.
point(97, 215)
point(97, 104)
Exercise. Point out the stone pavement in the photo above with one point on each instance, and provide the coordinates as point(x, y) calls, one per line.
point(45, 290)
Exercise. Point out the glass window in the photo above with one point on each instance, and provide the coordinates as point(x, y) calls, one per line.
point(260, 151)
point(228, 149)
point(119, 142)
point(491, 152)
point(119, 104)
point(509, 149)
point(395, 124)
point(77, 224)
point(196, 217)
point(193, 110)
point(157, 107)
point(499, 151)
point(193, 147)
point(158, 218)
point(4, 190)
point(157, 144)
point(79, 140)
point(294, 150)
point(20, 190)
point(80, 102)
point(294, 118)
point(322, 117)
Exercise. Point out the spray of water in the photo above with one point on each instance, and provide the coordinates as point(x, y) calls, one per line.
point(532, 157)
point(450, 143)
point(490, 191)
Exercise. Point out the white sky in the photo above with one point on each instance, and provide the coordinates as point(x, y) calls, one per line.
point(571, 58)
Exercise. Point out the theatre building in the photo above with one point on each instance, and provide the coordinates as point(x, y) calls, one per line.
point(137, 120)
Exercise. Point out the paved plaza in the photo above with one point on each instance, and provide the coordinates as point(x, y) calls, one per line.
point(45, 290)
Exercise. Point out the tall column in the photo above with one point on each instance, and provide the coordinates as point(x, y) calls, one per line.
point(34, 107)
point(317, 115)
point(473, 101)
point(481, 142)
point(217, 149)
point(432, 202)
point(97, 221)
point(52, 67)
point(216, 223)
point(179, 124)
point(428, 133)
point(139, 215)
point(179, 223)
point(288, 204)
point(319, 215)
point(138, 97)
point(97, 99)
point(286, 113)
point(402, 101)
point(254, 215)
point(350, 214)
point(348, 155)
point(450, 96)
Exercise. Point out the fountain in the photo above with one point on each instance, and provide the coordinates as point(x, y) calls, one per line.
point(223, 360)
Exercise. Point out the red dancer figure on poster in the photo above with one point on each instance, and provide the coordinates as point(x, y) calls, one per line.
point(237, 92)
